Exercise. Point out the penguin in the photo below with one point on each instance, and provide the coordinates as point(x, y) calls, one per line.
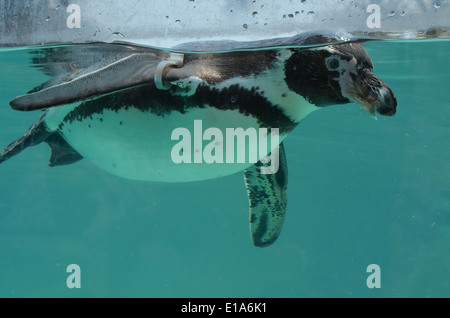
point(131, 109)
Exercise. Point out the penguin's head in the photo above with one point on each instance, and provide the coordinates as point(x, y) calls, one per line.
point(339, 74)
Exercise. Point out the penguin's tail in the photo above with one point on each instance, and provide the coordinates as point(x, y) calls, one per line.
point(62, 152)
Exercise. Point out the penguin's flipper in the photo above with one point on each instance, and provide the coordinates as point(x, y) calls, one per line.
point(62, 152)
point(95, 71)
point(268, 199)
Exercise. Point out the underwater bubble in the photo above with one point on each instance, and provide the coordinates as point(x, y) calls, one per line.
point(47, 19)
point(437, 5)
point(402, 13)
point(254, 13)
point(245, 26)
point(391, 13)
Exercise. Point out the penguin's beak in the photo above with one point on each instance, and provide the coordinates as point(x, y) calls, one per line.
point(373, 93)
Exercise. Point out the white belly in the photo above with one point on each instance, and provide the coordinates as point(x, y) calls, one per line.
point(138, 145)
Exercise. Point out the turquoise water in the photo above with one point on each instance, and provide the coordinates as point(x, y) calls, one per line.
point(361, 191)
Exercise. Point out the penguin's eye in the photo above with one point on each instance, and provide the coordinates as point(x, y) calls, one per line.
point(333, 63)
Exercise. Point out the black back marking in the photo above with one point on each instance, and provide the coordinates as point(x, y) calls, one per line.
point(219, 67)
point(161, 103)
